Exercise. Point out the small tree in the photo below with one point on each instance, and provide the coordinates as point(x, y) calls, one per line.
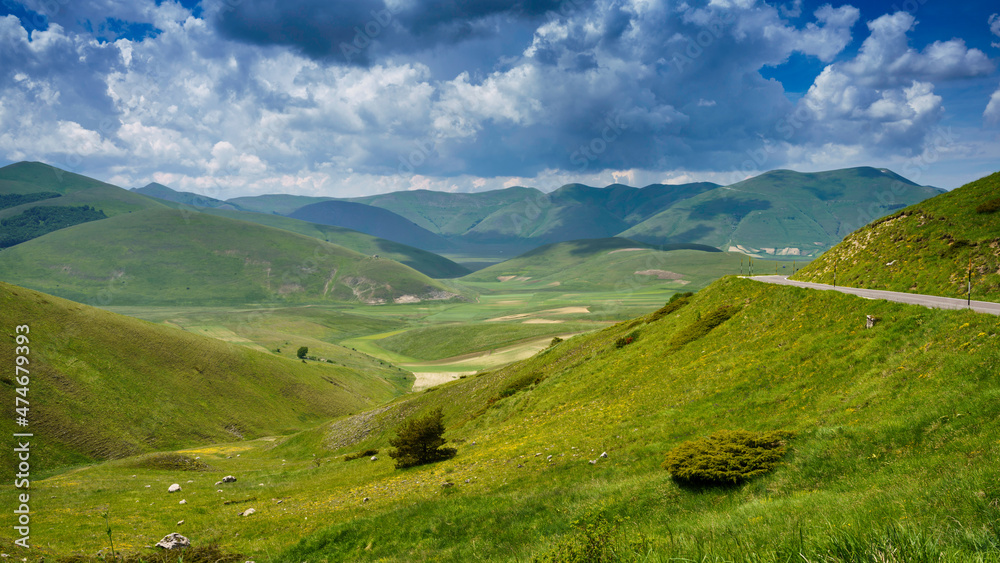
point(303, 350)
point(419, 441)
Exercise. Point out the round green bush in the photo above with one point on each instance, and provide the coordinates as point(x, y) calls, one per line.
point(727, 457)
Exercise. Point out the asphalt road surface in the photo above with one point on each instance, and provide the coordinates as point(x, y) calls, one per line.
point(932, 301)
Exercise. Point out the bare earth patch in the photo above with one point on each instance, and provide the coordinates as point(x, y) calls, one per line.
point(560, 311)
point(541, 322)
point(430, 379)
point(626, 250)
point(661, 274)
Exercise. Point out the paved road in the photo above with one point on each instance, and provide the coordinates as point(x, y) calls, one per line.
point(932, 301)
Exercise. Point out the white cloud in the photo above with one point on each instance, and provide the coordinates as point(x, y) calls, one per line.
point(992, 113)
point(995, 27)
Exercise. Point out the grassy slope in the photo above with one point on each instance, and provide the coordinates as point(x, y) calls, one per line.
point(427, 263)
point(105, 386)
point(896, 426)
point(448, 214)
point(275, 203)
point(894, 455)
point(446, 341)
point(159, 191)
point(604, 264)
point(576, 211)
point(783, 209)
point(76, 190)
point(179, 257)
point(924, 248)
point(372, 220)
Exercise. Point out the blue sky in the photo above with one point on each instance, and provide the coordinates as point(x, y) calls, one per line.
point(353, 97)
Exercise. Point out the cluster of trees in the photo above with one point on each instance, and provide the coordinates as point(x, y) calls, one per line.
point(38, 221)
point(13, 200)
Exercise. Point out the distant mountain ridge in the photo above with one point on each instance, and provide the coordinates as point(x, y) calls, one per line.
point(160, 191)
point(778, 213)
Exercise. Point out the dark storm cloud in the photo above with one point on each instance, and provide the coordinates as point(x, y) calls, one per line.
point(357, 31)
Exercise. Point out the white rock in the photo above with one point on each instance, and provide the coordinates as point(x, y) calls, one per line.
point(183, 501)
point(174, 488)
point(229, 479)
point(248, 512)
point(604, 455)
point(173, 541)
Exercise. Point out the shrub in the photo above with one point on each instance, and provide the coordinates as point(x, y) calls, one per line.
point(727, 457)
point(555, 340)
point(677, 301)
point(990, 206)
point(629, 338)
point(703, 326)
point(419, 441)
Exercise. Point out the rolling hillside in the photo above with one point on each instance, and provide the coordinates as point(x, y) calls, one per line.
point(891, 452)
point(159, 191)
point(175, 257)
point(610, 264)
point(74, 190)
point(107, 386)
point(374, 221)
point(924, 248)
point(427, 263)
point(783, 212)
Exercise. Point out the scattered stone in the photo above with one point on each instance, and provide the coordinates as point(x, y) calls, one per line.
point(247, 512)
point(219, 491)
point(374, 458)
point(870, 321)
point(173, 541)
point(468, 480)
point(189, 481)
point(366, 499)
point(183, 501)
point(592, 462)
point(217, 483)
point(604, 455)
point(148, 486)
point(229, 479)
point(174, 488)
point(548, 458)
point(447, 484)
point(519, 466)
point(179, 522)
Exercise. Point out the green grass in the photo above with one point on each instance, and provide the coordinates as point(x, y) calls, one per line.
point(427, 263)
point(607, 265)
point(172, 257)
point(924, 248)
point(893, 456)
point(107, 386)
point(445, 341)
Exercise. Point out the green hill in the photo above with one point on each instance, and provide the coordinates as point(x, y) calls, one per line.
point(169, 257)
point(105, 386)
point(783, 212)
point(281, 204)
point(925, 248)
point(160, 191)
point(75, 190)
point(891, 452)
point(372, 220)
point(610, 264)
point(427, 263)
point(449, 214)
